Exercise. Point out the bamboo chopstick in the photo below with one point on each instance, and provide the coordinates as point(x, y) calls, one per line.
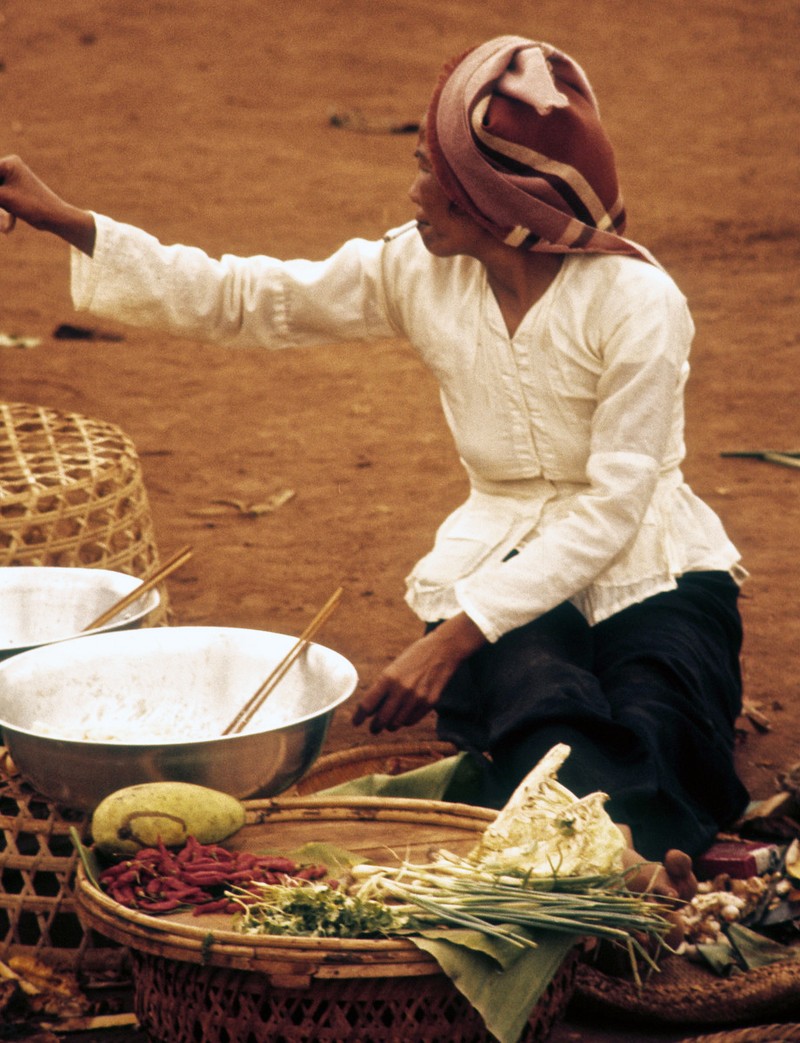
point(169, 566)
point(257, 699)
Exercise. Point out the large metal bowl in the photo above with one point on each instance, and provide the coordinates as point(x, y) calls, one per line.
point(40, 605)
point(86, 717)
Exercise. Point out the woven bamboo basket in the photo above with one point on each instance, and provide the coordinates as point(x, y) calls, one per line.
point(72, 494)
point(195, 979)
point(388, 758)
point(685, 993)
point(775, 1033)
point(38, 914)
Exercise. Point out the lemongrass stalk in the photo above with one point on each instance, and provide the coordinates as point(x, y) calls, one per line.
point(593, 905)
point(488, 904)
point(613, 917)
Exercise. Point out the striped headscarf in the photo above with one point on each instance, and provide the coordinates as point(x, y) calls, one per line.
point(515, 140)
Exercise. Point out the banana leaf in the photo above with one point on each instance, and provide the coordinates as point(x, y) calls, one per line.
point(503, 983)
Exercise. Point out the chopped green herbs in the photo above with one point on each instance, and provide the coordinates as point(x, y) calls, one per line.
point(312, 909)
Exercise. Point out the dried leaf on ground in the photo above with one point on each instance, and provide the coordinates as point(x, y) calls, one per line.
point(249, 510)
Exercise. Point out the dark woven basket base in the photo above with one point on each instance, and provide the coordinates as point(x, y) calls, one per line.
point(774, 1033)
point(184, 1003)
point(685, 993)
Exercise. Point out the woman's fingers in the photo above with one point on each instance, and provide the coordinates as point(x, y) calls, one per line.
point(389, 706)
point(7, 222)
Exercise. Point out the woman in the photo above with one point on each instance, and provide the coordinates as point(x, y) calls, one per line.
point(582, 593)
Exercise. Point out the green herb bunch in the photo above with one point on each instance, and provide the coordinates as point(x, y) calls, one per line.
point(312, 909)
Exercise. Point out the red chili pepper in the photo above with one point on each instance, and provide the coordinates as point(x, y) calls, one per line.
point(190, 896)
point(129, 877)
point(203, 865)
point(235, 876)
point(311, 873)
point(278, 864)
point(220, 905)
point(124, 895)
point(145, 853)
point(113, 872)
point(204, 878)
point(174, 885)
point(265, 877)
point(245, 859)
point(215, 851)
point(166, 905)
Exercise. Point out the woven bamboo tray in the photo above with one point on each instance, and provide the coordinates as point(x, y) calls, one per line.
point(195, 979)
point(38, 914)
point(774, 1033)
point(72, 494)
point(685, 993)
point(388, 758)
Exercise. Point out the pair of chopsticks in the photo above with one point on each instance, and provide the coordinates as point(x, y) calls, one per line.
point(790, 458)
point(169, 566)
point(258, 698)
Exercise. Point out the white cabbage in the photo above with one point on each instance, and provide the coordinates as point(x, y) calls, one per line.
point(545, 830)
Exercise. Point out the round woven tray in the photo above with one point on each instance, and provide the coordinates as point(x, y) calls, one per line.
point(754, 1034)
point(390, 758)
point(72, 494)
point(685, 993)
point(195, 979)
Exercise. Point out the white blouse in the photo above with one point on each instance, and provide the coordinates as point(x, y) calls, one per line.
point(571, 431)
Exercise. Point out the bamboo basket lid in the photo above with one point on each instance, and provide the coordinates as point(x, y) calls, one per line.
point(72, 493)
point(383, 830)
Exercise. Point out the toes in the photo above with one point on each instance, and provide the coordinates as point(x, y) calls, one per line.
point(679, 869)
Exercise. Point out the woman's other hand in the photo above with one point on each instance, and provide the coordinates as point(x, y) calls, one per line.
point(410, 686)
point(25, 197)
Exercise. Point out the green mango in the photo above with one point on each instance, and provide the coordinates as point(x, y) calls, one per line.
point(140, 816)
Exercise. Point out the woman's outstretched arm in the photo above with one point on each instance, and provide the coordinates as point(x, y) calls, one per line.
point(25, 197)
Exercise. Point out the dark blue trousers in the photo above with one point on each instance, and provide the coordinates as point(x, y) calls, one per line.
point(647, 700)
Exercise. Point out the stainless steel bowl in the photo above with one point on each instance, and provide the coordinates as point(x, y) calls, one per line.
point(86, 717)
point(40, 605)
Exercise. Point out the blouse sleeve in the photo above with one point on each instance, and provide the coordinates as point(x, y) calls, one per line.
point(244, 301)
point(636, 437)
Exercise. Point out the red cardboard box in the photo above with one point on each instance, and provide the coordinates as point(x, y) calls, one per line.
point(740, 859)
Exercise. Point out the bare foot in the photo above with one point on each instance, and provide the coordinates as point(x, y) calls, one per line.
point(672, 881)
point(678, 867)
point(674, 878)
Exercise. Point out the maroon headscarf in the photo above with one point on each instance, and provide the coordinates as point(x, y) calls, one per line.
point(515, 139)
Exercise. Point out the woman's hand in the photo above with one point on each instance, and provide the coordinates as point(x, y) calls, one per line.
point(24, 196)
point(410, 687)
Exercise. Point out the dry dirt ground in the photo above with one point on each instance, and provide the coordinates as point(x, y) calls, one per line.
point(210, 123)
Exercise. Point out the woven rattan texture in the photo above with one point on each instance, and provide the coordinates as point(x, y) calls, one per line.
point(684, 993)
point(389, 758)
point(754, 1034)
point(38, 915)
point(183, 1003)
point(72, 494)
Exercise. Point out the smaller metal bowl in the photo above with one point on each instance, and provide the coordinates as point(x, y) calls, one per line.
point(40, 604)
point(83, 718)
